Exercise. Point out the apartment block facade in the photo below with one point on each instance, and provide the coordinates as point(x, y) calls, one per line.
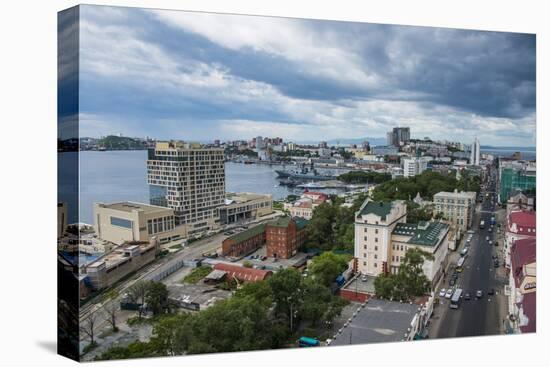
point(190, 179)
point(374, 224)
point(457, 207)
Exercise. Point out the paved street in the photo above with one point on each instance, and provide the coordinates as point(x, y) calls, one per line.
point(476, 316)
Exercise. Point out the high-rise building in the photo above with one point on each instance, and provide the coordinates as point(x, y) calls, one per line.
point(190, 179)
point(389, 138)
point(413, 166)
point(400, 136)
point(475, 153)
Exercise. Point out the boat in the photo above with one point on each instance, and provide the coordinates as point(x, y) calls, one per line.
point(304, 175)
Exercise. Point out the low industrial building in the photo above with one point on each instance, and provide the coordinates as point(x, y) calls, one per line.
point(245, 206)
point(282, 238)
point(241, 273)
point(123, 260)
point(245, 242)
point(128, 221)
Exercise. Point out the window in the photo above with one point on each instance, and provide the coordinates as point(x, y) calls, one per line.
point(365, 238)
point(375, 248)
point(365, 254)
point(364, 263)
point(366, 230)
point(365, 247)
point(393, 258)
point(375, 256)
point(375, 265)
point(120, 222)
point(376, 231)
point(375, 239)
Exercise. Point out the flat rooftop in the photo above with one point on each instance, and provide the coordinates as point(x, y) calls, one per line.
point(243, 197)
point(129, 206)
point(422, 233)
point(117, 256)
point(379, 321)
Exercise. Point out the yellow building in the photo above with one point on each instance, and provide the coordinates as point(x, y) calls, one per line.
point(129, 222)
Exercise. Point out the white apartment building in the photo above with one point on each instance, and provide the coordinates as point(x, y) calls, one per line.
point(413, 166)
point(456, 207)
point(383, 236)
point(190, 179)
point(374, 224)
point(431, 237)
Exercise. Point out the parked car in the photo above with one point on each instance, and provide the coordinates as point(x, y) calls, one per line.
point(479, 293)
point(452, 282)
point(449, 293)
point(442, 292)
point(364, 278)
point(487, 238)
point(467, 296)
point(491, 292)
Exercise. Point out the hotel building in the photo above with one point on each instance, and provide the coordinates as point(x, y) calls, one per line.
point(190, 179)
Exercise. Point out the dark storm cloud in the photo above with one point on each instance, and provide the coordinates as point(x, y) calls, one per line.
point(305, 72)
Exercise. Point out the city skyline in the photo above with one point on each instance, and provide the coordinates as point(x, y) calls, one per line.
point(182, 74)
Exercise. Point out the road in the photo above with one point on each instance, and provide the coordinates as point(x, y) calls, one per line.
point(190, 252)
point(477, 316)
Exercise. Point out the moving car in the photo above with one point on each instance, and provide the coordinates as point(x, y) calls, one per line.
point(449, 293)
point(442, 292)
point(479, 293)
point(467, 296)
point(491, 292)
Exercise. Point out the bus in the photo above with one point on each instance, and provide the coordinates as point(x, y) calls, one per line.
point(304, 341)
point(460, 264)
point(455, 299)
point(482, 224)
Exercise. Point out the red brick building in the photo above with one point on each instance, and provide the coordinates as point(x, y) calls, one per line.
point(284, 236)
point(243, 243)
point(243, 274)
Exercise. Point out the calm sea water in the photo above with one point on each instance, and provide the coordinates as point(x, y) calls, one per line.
point(122, 176)
point(528, 155)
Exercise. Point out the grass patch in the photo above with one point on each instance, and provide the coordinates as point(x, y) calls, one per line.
point(176, 246)
point(197, 274)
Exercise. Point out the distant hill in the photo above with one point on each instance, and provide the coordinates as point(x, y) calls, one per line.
point(113, 142)
point(348, 141)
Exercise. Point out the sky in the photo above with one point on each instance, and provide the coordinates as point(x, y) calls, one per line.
point(200, 76)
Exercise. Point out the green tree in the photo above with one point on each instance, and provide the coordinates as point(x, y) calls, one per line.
point(286, 289)
point(327, 266)
point(156, 297)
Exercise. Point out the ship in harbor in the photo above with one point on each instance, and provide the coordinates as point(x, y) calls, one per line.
point(304, 175)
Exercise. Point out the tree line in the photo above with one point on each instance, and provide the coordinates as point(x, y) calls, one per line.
point(259, 315)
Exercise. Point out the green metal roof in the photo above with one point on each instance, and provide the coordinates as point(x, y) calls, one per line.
point(378, 208)
point(280, 222)
point(247, 234)
point(420, 236)
point(301, 222)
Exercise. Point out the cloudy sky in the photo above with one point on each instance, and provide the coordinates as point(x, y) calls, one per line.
point(198, 76)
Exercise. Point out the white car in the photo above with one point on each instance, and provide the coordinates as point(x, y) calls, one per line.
point(449, 293)
point(442, 292)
